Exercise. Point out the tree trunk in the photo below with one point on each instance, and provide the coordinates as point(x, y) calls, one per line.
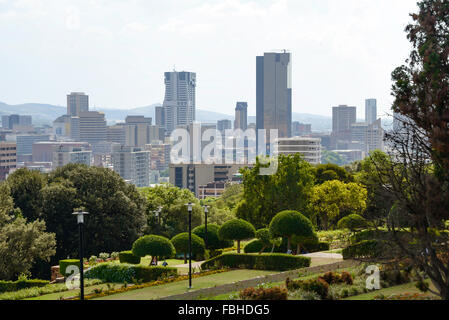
point(272, 248)
point(185, 258)
point(298, 249)
point(238, 246)
point(263, 248)
point(288, 243)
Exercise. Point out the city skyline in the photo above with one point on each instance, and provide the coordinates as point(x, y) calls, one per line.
point(121, 71)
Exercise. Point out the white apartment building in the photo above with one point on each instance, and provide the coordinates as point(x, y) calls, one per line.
point(132, 164)
point(310, 148)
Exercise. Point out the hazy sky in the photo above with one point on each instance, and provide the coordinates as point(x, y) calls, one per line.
point(117, 50)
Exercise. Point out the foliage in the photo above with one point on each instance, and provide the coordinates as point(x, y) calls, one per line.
point(64, 264)
point(237, 229)
point(336, 238)
point(153, 245)
point(10, 286)
point(290, 223)
point(352, 222)
point(319, 286)
point(181, 244)
point(336, 278)
point(21, 242)
point(128, 257)
point(266, 195)
point(113, 272)
point(260, 293)
point(333, 200)
point(273, 261)
point(329, 157)
point(213, 241)
point(329, 172)
point(363, 249)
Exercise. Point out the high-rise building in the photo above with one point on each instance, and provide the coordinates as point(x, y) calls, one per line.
point(116, 133)
point(241, 116)
point(8, 158)
point(77, 102)
point(309, 148)
point(300, 129)
point(342, 119)
point(10, 121)
point(160, 116)
point(223, 125)
point(137, 131)
point(63, 155)
point(25, 145)
point(159, 155)
point(132, 164)
point(43, 151)
point(179, 102)
point(368, 136)
point(92, 127)
point(274, 92)
point(370, 110)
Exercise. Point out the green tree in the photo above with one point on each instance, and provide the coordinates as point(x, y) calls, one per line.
point(353, 222)
point(266, 195)
point(291, 223)
point(333, 200)
point(21, 242)
point(181, 244)
point(213, 241)
point(329, 172)
point(238, 230)
point(156, 246)
point(329, 157)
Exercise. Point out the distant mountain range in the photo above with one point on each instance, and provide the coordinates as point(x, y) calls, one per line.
point(45, 114)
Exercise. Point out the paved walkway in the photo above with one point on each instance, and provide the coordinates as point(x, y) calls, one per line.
point(194, 265)
point(326, 255)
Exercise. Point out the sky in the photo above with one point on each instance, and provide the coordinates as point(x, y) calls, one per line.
point(343, 51)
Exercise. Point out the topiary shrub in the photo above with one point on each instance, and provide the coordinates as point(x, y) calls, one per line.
point(363, 249)
point(213, 241)
point(290, 223)
point(128, 257)
point(181, 244)
point(63, 264)
point(353, 222)
point(237, 229)
point(273, 262)
point(155, 246)
point(275, 293)
point(255, 246)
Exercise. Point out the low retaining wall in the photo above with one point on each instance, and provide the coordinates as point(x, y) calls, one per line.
point(278, 277)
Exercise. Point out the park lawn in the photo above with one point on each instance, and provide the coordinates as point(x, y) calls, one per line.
point(401, 289)
point(72, 293)
point(180, 287)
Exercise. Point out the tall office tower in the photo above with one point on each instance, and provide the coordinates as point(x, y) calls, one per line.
point(8, 158)
point(77, 102)
point(223, 125)
point(92, 127)
point(159, 116)
point(116, 134)
point(132, 164)
point(25, 145)
point(10, 121)
point(342, 119)
point(241, 116)
point(370, 110)
point(274, 93)
point(63, 155)
point(179, 101)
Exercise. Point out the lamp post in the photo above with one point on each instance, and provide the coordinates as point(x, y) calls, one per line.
point(80, 219)
point(157, 213)
point(189, 208)
point(206, 210)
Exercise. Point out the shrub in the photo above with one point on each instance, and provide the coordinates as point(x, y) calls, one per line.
point(113, 272)
point(63, 264)
point(115, 255)
point(275, 293)
point(213, 241)
point(103, 256)
point(290, 223)
point(336, 238)
point(92, 260)
point(275, 261)
point(346, 277)
point(128, 257)
point(10, 286)
point(319, 286)
point(215, 253)
point(181, 244)
point(255, 246)
point(352, 222)
point(363, 249)
point(154, 246)
point(335, 278)
point(236, 229)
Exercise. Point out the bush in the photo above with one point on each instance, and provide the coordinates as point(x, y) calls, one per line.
point(154, 246)
point(274, 262)
point(10, 286)
point(128, 257)
point(260, 293)
point(319, 286)
point(213, 241)
point(236, 229)
point(255, 246)
point(335, 278)
point(113, 272)
point(352, 222)
point(103, 256)
point(290, 223)
point(363, 249)
point(181, 244)
point(63, 264)
point(369, 234)
point(215, 253)
point(115, 255)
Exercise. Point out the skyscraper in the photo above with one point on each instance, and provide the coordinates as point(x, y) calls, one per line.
point(241, 116)
point(179, 102)
point(342, 119)
point(370, 110)
point(77, 102)
point(274, 92)
point(160, 116)
point(92, 127)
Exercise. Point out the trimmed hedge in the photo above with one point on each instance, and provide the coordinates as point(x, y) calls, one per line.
point(113, 272)
point(256, 245)
point(63, 264)
point(273, 262)
point(363, 249)
point(128, 257)
point(10, 286)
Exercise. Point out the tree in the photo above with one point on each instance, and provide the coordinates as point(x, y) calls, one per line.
point(181, 244)
point(289, 223)
point(156, 246)
point(21, 242)
point(266, 195)
point(266, 239)
point(353, 222)
point(213, 241)
point(304, 241)
point(237, 229)
point(329, 172)
point(333, 200)
point(333, 158)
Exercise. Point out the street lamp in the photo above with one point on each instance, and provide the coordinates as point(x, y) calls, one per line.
point(189, 208)
point(206, 210)
point(80, 219)
point(157, 213)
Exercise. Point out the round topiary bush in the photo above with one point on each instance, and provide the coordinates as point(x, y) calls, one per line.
point(213, 241)
point(181, 244)
point(128, 257)
point(155, 246)
point(353, 222)
point(237, 229)
point(290, 223)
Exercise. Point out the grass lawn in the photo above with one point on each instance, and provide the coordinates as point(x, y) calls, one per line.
point(71, 293)
point(401, 289)
point(181, 286)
